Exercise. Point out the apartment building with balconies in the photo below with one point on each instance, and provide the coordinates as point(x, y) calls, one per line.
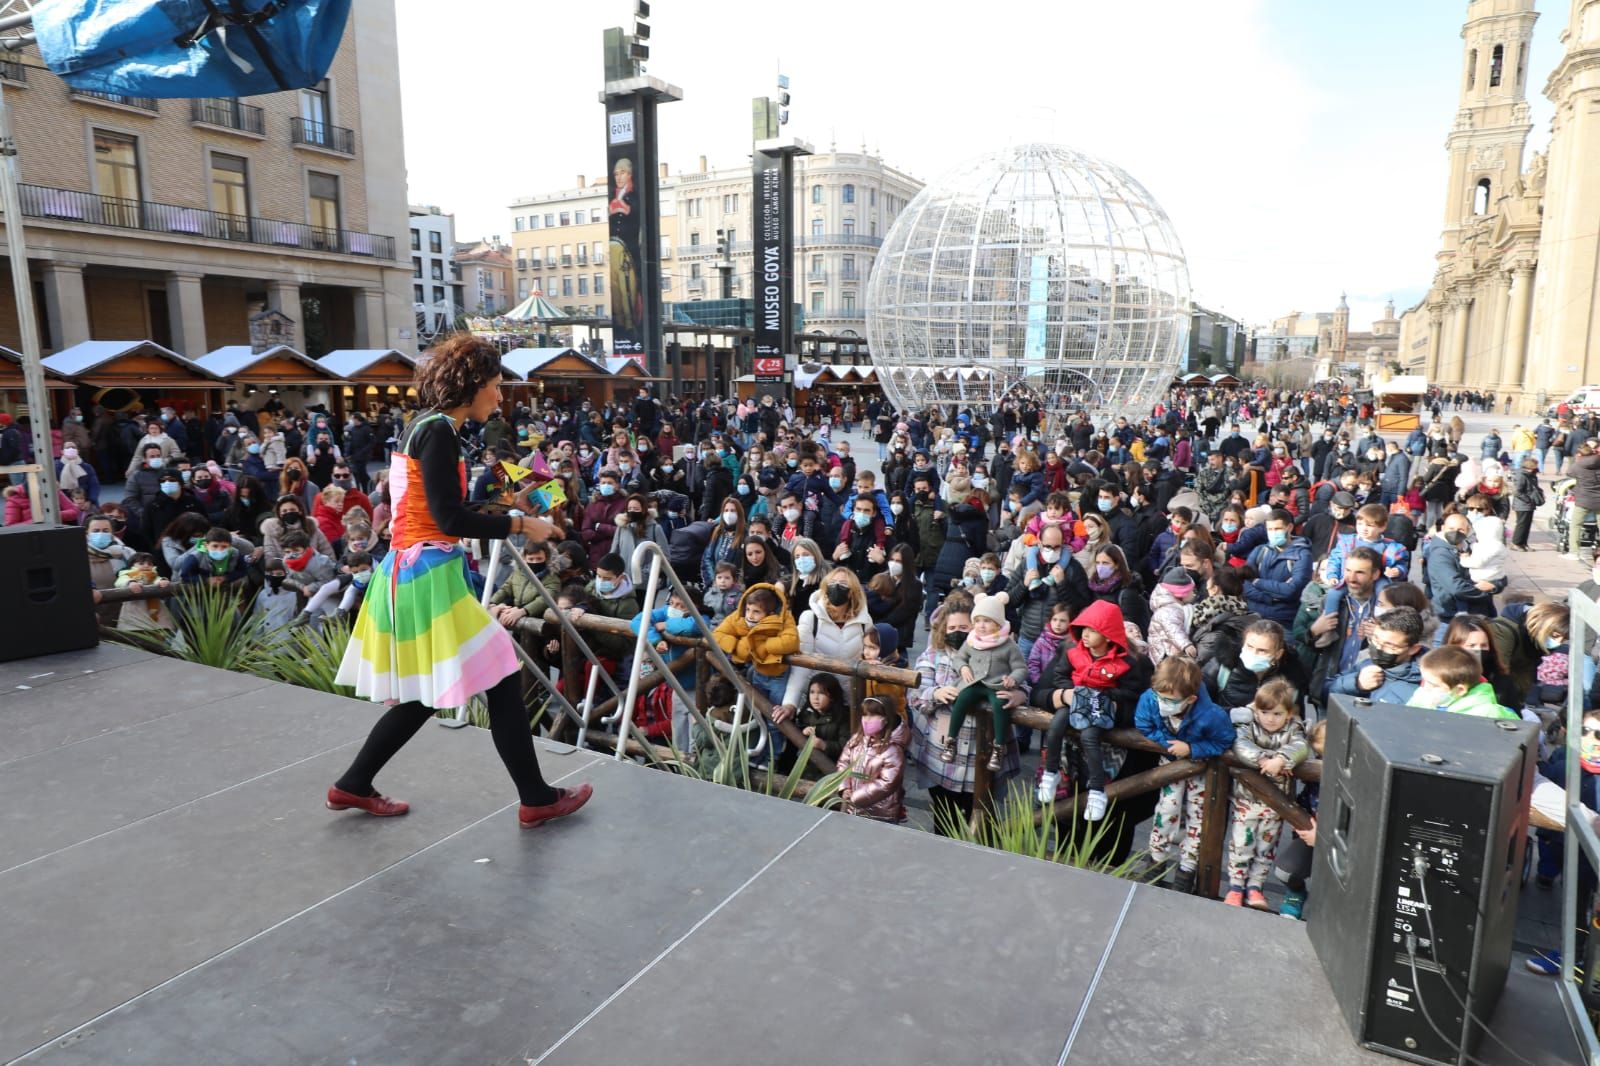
point(176, 220)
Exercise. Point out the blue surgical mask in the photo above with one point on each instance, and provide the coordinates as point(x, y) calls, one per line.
point(804, 564)
point(253, 449)
point(186, 474)
point(361, 577)
point(100, 540)
point(743, 489)
point(1552, 643)
point(1230, 527)
point(986, 575)
point(219, 554)
point(157, 463)
point(863, 520)
point(793, 462)
point(171, 488)
point(1277, 538)
point(677, 612)
point(835, 482)
point(1256, 664)
point(1105, 504)
point(607, 489)
point(604, 585)
point(1169, 707)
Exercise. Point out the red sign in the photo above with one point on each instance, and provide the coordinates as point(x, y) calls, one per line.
point(767, 365)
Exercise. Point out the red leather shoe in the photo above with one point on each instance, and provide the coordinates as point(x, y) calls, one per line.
point(379, 806)
point(567, 801)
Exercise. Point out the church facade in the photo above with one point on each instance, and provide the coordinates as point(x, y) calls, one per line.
point(1514, 306)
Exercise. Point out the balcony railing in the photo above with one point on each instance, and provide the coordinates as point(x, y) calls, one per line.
point(566, 260)
point(843, 314)
point(536, 263)
point(232, 114)
point(820, 277)
point(143, 103)
point(854, 239)
point(322, 135)
point(39, 201)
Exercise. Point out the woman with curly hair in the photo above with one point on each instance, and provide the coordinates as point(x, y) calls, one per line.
point(422, 641)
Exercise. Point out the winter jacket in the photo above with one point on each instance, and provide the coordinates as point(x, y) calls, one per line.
point(928, 520)
point(764, 644)
point(1529, 495)
point(821, 635)
point(535, 597)
point(860, 541)
point(676, 627)
point(621, 602)
point(1253, 745)
point(1395, 556)
point(990, 665)
point(1222, 627)
point(1480, 701)
point(1283, 573)
point(599, 524)
point(1033, 604)
point(1205, 727)
point(1059, 673)
point(875, 785)
point(195, 567)
point(1169, 626)
point(1450, 588)
point(1214, 485)
point(1586, 487)
point(1231, 685)
point(966, 537)
point(19, 508)
point(1400, 682)
point(1396, 474)
point(273, 529)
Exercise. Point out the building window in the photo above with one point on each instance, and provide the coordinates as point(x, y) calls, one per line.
point(816, 302)
point(416, 294)
point(416, 266)
point(816, 194)
point(1480, 197)
point(666, 282)
point(566, 218)
point(694, 271)
point(816, 227)
point(1472, 69)
point(816, 264)
point(1522, 64)
point(550, 254)
point(436, 242)
point(583, 285)
point(517, 222)
point(848, 194)
point(323, 190)
point(598, 252)
point(597, 215)
point(416, 241)
point(1497, 60)
point(566, 285)
point(230, 185)
point(533, 221)
point(872, 197)
point(849, 301)
point(522, 290)
point(847, 267)
point(849, 227)
point(438, 294)
point(549, 220)
point(437, 270)
point(116, 171)
point(599, 284)
point(694, 240)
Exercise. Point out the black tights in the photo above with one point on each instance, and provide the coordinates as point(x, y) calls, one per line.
point(1094, 766)
point(508, 724)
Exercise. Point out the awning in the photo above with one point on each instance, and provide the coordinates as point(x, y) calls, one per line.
point(386, 365)
point(11, 373)
point(536, 309)
point(278, 365)
point(130, 364)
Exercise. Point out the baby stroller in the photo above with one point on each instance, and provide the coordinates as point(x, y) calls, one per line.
point(1561, 519)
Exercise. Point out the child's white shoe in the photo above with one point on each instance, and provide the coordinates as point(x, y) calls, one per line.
point(1047, 787)
point(1094, 808)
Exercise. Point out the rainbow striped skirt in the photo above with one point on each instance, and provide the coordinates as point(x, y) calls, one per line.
point(422, 635)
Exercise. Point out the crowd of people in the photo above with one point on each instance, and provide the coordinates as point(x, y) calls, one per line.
point(1209, 573)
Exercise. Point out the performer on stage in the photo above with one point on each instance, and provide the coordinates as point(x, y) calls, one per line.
point(422, 641)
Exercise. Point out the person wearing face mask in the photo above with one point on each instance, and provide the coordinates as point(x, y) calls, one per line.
point(599, 522)
point(1390, 673)
point(1449, 585)
point(831, 625)
point(726, 540)
point(167, 449)
point(1045, 576)
point(521, 597)
point(1477, 636)
point(863, 539)
point(894, 597)
point(215, 561)
point(108, 557)
point(74, 472)
point(635, 526)
point(1452, 680)
point(275, 602)
point(1283, 567)
point(289, 515)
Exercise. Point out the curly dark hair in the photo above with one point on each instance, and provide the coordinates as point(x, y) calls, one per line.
point(453, 371)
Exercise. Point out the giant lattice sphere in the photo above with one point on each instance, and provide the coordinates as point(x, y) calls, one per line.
point(1034, 265)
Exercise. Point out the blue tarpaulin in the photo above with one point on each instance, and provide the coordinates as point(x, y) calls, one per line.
point(189, 48)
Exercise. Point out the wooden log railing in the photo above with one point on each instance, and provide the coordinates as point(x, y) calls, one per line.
point(1219, 773)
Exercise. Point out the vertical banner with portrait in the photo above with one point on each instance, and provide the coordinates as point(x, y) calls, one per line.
point(625, 211)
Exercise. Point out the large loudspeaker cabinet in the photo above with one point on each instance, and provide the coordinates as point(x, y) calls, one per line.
point(1420, 810)
point(45, 591)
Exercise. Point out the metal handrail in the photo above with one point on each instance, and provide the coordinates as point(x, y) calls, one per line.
point(718, 658)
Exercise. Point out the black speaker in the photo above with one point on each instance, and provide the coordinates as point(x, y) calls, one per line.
point(46, 590)
point(1417, 870)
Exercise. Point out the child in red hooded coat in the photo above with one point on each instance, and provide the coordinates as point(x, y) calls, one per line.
point(1099, 659)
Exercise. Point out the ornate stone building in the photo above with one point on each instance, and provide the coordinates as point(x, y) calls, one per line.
point(1514, 307)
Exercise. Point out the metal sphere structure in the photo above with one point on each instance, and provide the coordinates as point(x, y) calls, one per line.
point(1034, 266)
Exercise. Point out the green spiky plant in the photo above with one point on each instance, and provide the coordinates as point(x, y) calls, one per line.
point(1011, 828)
point(309, 656)
point(209, 630)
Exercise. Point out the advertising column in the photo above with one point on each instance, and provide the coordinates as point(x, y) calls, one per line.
point(774, 326)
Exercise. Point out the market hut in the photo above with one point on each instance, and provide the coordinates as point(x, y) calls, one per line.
point(372, 377)
point(133, 376)
point(271, 371)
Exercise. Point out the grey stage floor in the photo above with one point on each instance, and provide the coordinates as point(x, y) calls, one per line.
point(174, 892)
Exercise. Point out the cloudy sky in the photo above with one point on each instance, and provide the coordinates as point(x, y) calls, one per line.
point(1296, 144)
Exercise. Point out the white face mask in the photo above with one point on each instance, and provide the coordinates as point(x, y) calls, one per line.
point(896, 568)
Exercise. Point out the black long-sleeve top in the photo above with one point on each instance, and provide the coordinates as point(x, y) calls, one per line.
point(437, 450)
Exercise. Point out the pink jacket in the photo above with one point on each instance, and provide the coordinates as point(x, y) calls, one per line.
point(19, 510)
point(876, 785)
point(1169, 626)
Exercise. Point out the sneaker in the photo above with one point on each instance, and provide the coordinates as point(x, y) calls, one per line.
point(1234, 898)
point(1047, 787)
point(1294, 905)
point(1257, 899)
point(1545, 963)
point(1094, 808)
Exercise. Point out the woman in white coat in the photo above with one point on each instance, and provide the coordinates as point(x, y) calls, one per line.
point(831, 626)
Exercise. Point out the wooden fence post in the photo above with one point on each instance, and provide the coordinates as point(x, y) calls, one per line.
point(1213, 828)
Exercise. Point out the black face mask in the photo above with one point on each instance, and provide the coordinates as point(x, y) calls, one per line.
point(276, 581)
point(1455, 538)
point(956, 639)
point(838, 594)
point(1385, 659)
point(290, 518)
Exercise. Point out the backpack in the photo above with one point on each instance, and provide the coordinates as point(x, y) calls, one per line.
point(1552, 669)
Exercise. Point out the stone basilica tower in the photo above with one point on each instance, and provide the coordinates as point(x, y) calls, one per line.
point(1492, 123)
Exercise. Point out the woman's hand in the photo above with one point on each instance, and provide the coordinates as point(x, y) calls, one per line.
point(781, 713)
point(944, 694)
